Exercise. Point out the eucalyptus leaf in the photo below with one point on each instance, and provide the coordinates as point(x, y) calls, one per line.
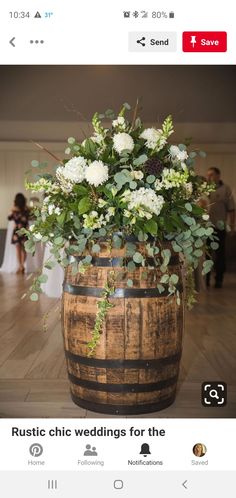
point(137, 257)
point(130, 282)
point(133, 185)
point(214, 246)
point(34, 296)
point(96, 248)
point(164, 279)
point(188, 206)
point(151, 178)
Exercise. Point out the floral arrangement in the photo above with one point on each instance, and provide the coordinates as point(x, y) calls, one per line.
point(123, 180)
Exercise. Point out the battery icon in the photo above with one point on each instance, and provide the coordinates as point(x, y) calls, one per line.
point(171, 15)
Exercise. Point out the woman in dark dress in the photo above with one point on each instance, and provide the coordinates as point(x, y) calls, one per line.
point(20, 215)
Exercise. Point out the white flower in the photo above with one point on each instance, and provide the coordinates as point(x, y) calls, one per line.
point(172, 178)
point(205, 217)
point(93, 220)
point(51, 235)
point(188, 188)
point(31, 228)
point(96, 173)
point(110, 213)
point(51, 208)
point(144, 201)
point(120, 121)
point(123, 141)
point(177, 154)
point(46, 199)
point(101, 202)
point(136, 175)
point(154, 138)
point(97, 138)
point(38, 236)
point(74, 170)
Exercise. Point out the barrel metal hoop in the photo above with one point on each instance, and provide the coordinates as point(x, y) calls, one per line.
point(123, 388)
point(123, 409)
point(113, 262)
point(78, 290)
point(124, 364)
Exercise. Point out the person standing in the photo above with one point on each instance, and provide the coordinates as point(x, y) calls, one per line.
point(20, 215)
point(221, 212)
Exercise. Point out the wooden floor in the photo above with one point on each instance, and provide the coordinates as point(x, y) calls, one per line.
point(33, 379)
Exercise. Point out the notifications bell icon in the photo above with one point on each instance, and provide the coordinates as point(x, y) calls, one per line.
point(145, 450)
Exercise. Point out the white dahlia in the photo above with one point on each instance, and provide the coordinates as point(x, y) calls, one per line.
point(123, 142)
point(96, 173)
point(153, 138)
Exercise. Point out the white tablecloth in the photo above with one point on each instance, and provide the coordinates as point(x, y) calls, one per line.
point(53, 286)
point(10, 264)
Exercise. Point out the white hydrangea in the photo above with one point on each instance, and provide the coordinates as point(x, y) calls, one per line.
point(120, 121)
point(74, 170)
point(177, 154)
point(154, 138)
point(144, 201)
point(96, 173)
point(123, 141)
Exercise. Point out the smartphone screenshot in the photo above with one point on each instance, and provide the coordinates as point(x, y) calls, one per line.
point(117, 249)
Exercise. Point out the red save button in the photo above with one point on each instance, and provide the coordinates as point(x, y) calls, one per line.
point(204, 41)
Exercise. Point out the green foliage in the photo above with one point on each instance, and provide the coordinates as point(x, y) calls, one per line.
point(104, 305)
point(151, 227)
point(130, 282)
point(137, 257)
point(141, 199)
point(84, 205)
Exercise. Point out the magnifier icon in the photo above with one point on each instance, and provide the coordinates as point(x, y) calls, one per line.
point(214, 394)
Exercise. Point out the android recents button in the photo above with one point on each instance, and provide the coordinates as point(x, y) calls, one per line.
point(163, 41)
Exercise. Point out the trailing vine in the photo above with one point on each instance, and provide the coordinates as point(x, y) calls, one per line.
point(103, 306)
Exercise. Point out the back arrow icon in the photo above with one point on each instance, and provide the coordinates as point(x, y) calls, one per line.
point(184, 484)
point(12, 41)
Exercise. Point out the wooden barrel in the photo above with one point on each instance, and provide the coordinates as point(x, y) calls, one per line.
point(136, 363)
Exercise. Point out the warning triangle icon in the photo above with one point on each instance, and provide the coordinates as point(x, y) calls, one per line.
point(37, 15)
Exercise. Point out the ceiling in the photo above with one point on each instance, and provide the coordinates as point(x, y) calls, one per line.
point(74, 93)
